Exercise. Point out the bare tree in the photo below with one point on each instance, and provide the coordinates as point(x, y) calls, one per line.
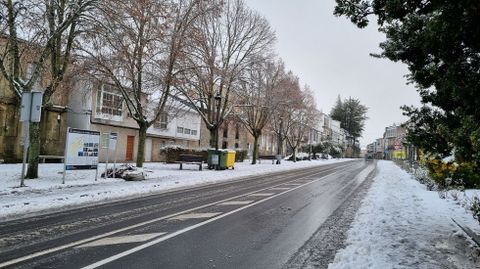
point(41, 32)
point(255, 102)
point(227, 41)
point(136, 46)
point(299, 120)
point(286, 100)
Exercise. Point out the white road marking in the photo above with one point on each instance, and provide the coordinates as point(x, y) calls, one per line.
point(161, 239)
point(116, 240)
point(237, 202)
point(261, 194)
point(303, 181)
point(279, 189)
point(195, 216)
point(292, 184)
point(86, 240)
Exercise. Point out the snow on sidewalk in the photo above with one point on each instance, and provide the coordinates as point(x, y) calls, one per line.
point(402, 225)
point(47, 193)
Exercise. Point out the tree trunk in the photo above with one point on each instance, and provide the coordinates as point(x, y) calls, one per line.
point(294, 154)
point(142, 135)
point(213, 137)
point(33, 150)
point(279, 147)
point(255, 149)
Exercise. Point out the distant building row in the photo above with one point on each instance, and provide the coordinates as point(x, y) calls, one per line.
point(86, 103)
point(392, 146)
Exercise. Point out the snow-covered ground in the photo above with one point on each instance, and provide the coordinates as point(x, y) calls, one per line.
point(48, 192)
point(402, 225)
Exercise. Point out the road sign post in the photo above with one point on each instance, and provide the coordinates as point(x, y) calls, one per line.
point(31, 111)
point(105, 142)
point(65, 156)
point(112, 144)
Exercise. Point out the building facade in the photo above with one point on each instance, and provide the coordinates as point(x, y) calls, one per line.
point(53, 123)
point(100, 107)
point(394, 142)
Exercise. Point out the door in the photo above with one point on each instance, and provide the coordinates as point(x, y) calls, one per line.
point(148, 150)
point(130, 144)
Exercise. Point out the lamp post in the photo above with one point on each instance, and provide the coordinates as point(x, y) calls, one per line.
point(218, 100)
point(217, 103)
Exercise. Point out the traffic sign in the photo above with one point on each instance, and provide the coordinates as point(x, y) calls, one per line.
point(31, 107)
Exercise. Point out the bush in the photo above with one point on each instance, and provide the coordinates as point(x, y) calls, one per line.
point(300, 156)
point(453, 175)
point(475, 208)
point(423, 176)
point(172, 153)
point(468, 174)
point(240, 155)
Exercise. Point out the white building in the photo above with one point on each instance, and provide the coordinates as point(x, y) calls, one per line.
point(100, 107)
point(337, 133)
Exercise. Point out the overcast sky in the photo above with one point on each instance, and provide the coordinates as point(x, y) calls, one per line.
point(332, 56)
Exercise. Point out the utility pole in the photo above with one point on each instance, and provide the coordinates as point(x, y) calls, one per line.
point(31, 111)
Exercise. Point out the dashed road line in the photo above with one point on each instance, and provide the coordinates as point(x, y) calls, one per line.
point(195, 216)
point(261, 194)
point(279, 189)
point(117, 240)
point(237, 202)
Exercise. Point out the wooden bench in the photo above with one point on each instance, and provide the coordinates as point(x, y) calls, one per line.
point(42, 158)
point(267, 157)
point(191, 159)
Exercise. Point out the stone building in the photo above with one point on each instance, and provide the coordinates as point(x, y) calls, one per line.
point(53, 123)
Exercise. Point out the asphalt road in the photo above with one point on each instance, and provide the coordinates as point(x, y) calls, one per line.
point(255, 222)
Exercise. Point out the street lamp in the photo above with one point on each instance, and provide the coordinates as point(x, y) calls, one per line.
point(218, 100)
point(216, 120)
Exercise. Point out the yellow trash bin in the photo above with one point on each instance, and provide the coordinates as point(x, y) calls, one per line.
point(231, 159)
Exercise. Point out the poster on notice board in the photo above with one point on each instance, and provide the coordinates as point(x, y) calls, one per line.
point(82, 149)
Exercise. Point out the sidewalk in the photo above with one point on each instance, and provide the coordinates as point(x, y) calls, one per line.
point(402, 225)
point(48, 194)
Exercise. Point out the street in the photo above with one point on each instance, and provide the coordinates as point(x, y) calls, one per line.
point(255, 222)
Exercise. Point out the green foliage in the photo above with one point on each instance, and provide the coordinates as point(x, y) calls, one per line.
point(440, 43)
point(352, 115)
point(240, 155)
point(171, 154)
point(451, 174)
point(475, 208)
point(324, 148)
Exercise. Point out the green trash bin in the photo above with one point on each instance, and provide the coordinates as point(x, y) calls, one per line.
point(222, 160)
point(212, 159)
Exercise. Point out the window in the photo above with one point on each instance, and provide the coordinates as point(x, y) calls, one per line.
point(225, 130)
point(180, 130)
point(194, 132)
point(109, 104)
point(236, 145)
point(162, 122)
point(186, 131)
point(224, 144)
point(237, 132)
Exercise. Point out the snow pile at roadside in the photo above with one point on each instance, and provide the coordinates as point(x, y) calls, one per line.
point(47, 192)
point(402, 225)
